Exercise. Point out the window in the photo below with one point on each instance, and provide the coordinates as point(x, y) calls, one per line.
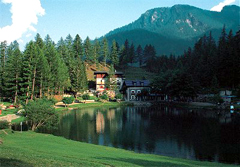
point(141, 83)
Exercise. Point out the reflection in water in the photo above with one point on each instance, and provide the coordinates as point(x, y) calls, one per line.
point(100, 123)
point(191, 134)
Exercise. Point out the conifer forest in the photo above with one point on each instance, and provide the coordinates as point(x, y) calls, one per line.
point(46, 68)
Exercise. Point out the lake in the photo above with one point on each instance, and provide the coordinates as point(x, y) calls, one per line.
point(196, 134)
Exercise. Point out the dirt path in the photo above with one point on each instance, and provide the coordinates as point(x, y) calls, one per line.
point(9, 117)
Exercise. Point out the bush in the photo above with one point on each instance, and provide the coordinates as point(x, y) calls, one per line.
point(86, 97)
point(104, 97)
point(119, 96)
point(79, 98)
point(217, 99)
point(53, 101)
point(93, 98)
point(4, 125)
point(41, 113)
point(68, 100)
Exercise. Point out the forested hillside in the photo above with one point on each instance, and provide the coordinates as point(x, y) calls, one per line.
point(171, 30)
point(206, 68)
point(45, 69)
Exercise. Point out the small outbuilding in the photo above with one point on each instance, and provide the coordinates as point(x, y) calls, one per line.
point(135, 90)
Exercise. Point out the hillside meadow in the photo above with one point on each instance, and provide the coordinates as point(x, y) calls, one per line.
point(35, 149)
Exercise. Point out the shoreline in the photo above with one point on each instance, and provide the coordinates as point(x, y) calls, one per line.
point(60, 107)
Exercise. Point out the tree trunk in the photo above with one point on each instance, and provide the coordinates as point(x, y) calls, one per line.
point(16, 91)
point(40, 89)
point(33, 127)
point(48, 92)
point(27, 94)
point(33, 83)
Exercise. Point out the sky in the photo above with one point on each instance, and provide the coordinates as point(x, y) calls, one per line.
point(21, 20)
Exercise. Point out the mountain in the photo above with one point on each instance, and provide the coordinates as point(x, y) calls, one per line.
point(172, 30)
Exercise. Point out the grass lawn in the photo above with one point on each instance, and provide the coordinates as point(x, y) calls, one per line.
point(18, 120)
point(35, 149)
point(8, 111)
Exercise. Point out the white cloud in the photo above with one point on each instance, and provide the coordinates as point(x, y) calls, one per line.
point(220, 6)
point(24, 15)
point(29, 35)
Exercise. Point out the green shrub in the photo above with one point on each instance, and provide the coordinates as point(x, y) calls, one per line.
point(41, 113)
point(79, 98)
point(4, 125)
point(93, 98)
point(119, 96)
point(68, 100)
point(104, 97)
point(86, 97)
point(53, 101)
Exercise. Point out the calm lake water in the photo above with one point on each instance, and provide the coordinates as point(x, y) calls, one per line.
point(192, 134)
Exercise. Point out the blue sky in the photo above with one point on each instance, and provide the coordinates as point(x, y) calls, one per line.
point(22, 19)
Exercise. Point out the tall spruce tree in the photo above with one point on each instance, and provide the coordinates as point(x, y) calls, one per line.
point(3, 57)
point(114, 54)
point(131, 56)
point(88, 51)
point(13, 72)
point(104, 51)
point(29, 71)
point(97, 53)
point(139, 55)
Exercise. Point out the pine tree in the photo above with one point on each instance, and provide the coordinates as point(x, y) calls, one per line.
point(52, 58)
point(43, 71)
point(131, 56)
point(140, 55)
point(63, 51)
point(96, 52)
point(77, 70)
point(3, 50)
point(222, 53)
point(114, 54)
point(104, 51)
point(78, 48)
point(39, 41)
point(236, 58)
point(13, 71)
point(29, 71)
point(88, 51)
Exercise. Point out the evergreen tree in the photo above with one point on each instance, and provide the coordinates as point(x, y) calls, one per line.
point(131, 56)
point(222, 52)
point(3, 50)
point(88, 51)
point(39, 41)
point(78, 48)
point(77, 70)
point(124, 54)
point(43, 73)
point(104, 51)
point(140, 55)
point(63, 51)
point(29, 71)
point(13, 71)
point(114, 54)
point(97, 53)
point(150, 57)
point(236, 60)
